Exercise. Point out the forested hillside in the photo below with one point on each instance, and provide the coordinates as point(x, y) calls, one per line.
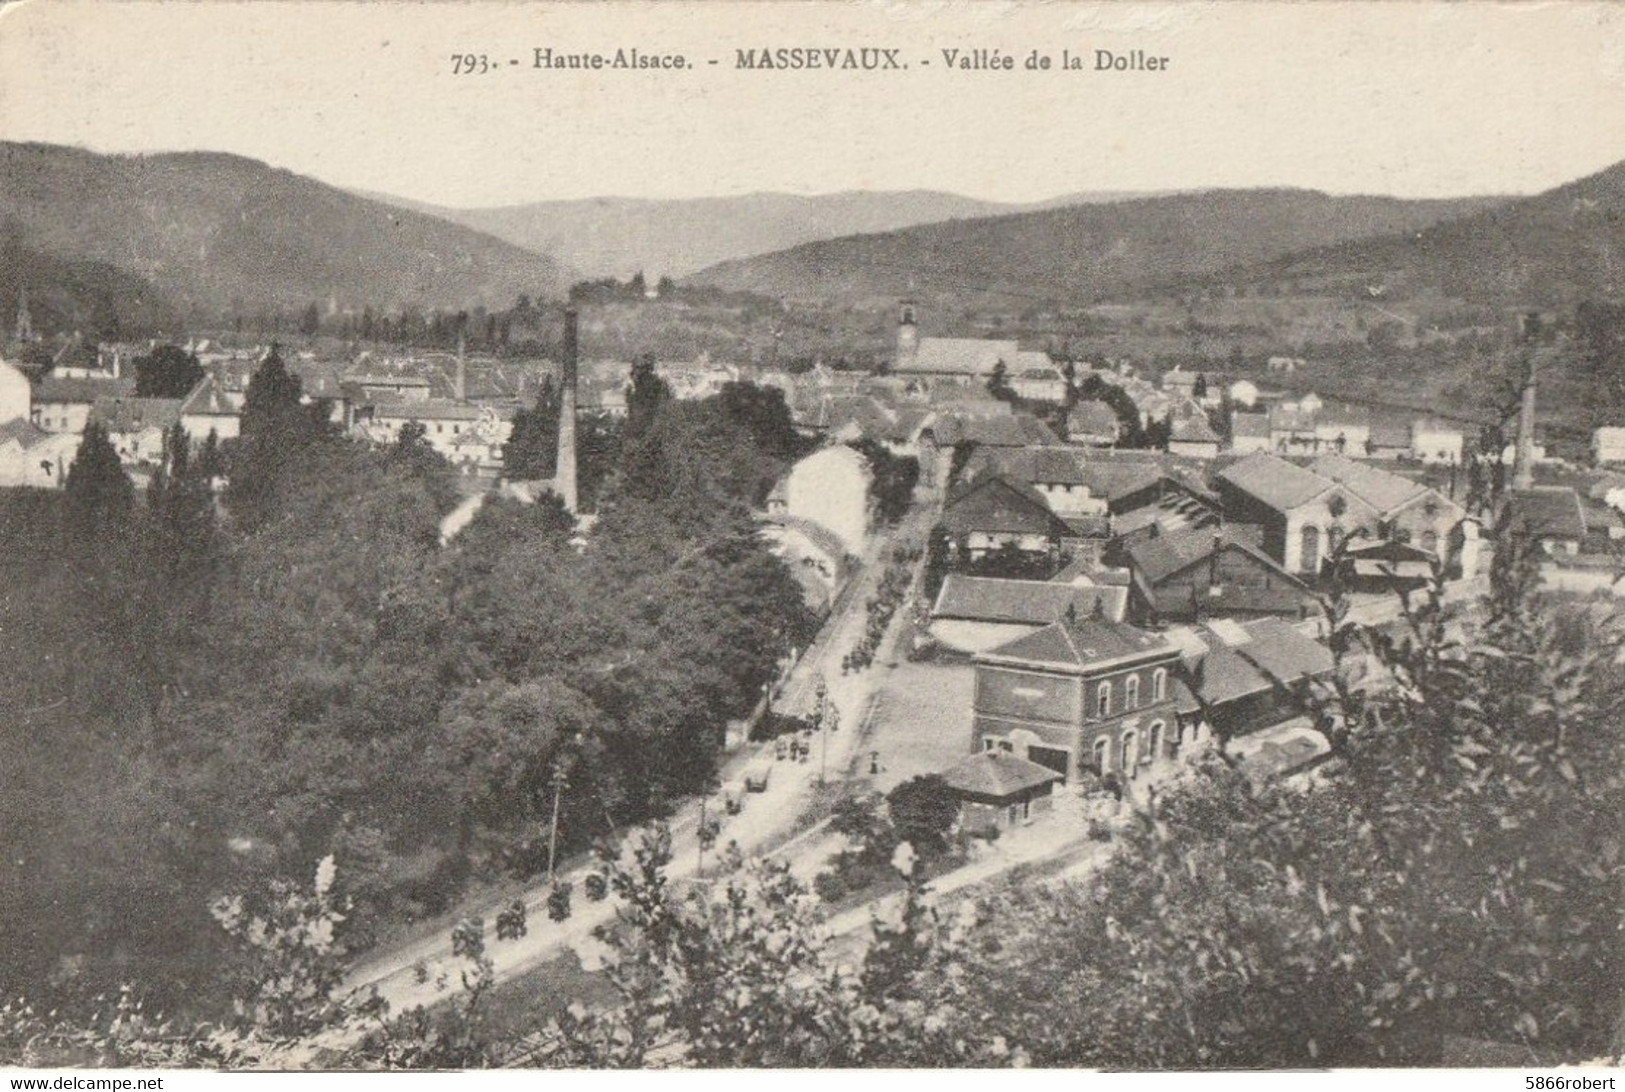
point(219, 234)
point(1081, 253)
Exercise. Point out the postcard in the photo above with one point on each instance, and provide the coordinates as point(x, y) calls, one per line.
point(766, 534)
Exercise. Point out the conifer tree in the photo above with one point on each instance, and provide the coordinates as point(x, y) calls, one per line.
point(100, 493)
point(277, 430)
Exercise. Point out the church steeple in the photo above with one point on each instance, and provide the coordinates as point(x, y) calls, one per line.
point(25, 322)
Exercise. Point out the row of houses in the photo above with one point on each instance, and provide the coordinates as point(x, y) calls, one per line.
point(1189, 541)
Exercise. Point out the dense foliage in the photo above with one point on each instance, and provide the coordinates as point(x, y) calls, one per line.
point(892, 479)
point(167, 372)
point(214, 693)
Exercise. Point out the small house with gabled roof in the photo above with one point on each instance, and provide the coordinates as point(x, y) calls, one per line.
point(1194, 438)
point(998, 790)
point(212, 406)
point(994, 512)
point(1219, 572)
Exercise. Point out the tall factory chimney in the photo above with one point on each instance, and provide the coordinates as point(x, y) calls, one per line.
point(564, 482)
point(1523, 460)
point(460, 388)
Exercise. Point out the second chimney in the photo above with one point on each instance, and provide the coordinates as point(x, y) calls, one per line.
point(460, 387)
point(564, 479)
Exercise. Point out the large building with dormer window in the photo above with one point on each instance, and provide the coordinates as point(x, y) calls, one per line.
point(1082, 695)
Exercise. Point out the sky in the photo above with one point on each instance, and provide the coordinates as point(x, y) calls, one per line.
point(1405, 98)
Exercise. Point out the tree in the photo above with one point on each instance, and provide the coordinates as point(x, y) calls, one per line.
point(310, 320)
point(735, 974)
point(278, 433)
point(100, 494)
point(1199, 388)
point(532, 450)
point(892, 479)
point(167, 372)
point(181, 501)
point(764, 414)
point(648, 393)
point(295, 960)
point(998, 383)
point(923, 810)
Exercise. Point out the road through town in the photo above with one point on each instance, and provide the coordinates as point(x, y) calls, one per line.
point(420, 973)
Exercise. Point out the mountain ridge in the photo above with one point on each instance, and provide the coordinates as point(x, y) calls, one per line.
point(1085, 252)
point(217, 232)
point(1550, 249)
point(618, 236)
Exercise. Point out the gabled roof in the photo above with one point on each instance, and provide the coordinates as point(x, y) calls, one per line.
point(210, 398)
point(1193, 430)
point(1032, 364)
point(958, 356)
point(1547, 511)
point(994, 503)
point(24, 431)
point(1160, 557)
point(1254, 426)
point(1021, 602)
point(1012, 430)
point(997, 774)
point(1381, 490)
point(1245, 658)
point(1092, 419)
point(135, 414)
point(1111, 478)
point(1080, 642)
point(375, 379)
point(61, 390)
point(316, 378)
point(1274, 481)
point(437, 410)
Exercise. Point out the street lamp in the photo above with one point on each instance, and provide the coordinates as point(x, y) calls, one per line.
point(826, 724)
point(821, 711)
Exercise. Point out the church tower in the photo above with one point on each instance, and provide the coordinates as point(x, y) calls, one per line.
point(908, 333)
point(25, 322)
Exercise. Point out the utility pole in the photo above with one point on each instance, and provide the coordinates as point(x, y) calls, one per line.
point(821, 707)
point(699, 842)
point(559, 782)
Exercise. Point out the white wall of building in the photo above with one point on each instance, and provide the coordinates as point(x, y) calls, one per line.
point(831, 488)
point(16, 396)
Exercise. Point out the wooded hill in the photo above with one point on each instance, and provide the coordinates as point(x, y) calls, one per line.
point(1081, 253)
point(1554, 249)
point(221, 234)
